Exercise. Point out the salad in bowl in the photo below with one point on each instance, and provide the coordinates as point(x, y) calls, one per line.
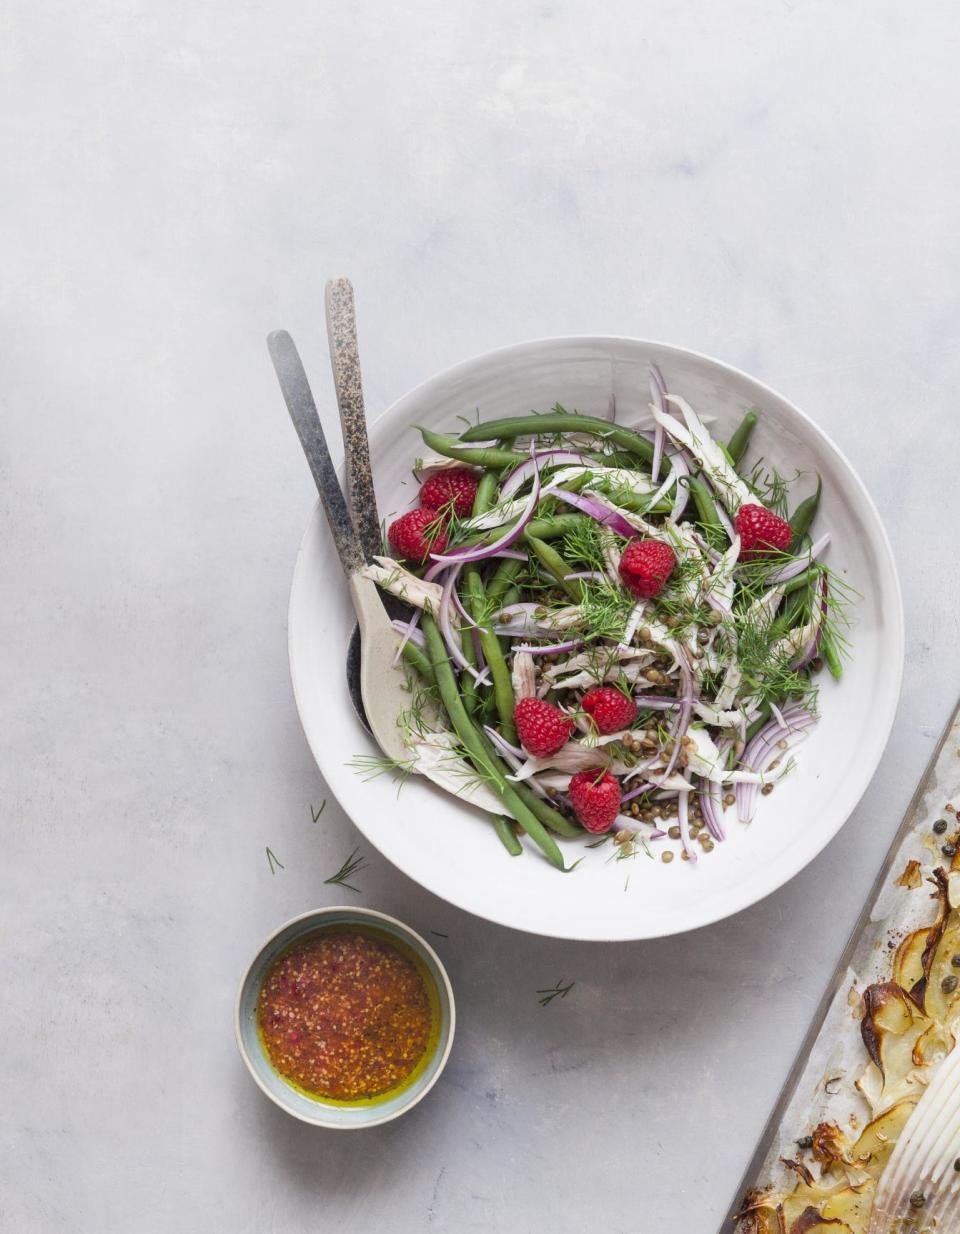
point(618, 625)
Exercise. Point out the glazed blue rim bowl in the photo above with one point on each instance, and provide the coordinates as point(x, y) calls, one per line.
point(314, 1109)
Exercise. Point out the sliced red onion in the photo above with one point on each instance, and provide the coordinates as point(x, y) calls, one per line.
point(410, 634)
point(458, 605)
point(711, 804)
point(763, 749)
point(549, 458)
point(407, 629)
point(591, 574)
point(656, 702)
point(711, 795)
point(637, 792)
point(462, 556)
point(450, 637)
point(503, 745)
point(609, 518)
point(548, 649)
point(683, 818)
point(801, 563)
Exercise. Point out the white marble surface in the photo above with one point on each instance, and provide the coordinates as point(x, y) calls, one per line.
point(774, 183)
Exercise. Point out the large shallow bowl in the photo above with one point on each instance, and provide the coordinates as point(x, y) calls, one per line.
point(450, 848)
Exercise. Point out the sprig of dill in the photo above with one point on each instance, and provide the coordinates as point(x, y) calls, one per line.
point(353, 865)
point(558, 991)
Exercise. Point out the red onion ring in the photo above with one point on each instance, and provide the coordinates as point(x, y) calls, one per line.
point(463, 556)
point(549, 458)
point(609, 518)
point(802, 563)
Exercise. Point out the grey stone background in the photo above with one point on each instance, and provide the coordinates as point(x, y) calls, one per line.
point(775, 183)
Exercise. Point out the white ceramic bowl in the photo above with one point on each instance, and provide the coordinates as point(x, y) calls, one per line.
point(450, 848)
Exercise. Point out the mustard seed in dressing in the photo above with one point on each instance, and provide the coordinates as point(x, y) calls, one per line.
point(344, 1015)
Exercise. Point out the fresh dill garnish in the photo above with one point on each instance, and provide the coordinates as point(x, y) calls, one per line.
point(439, 934)
point(369, 766)
point(274, 861)
point(315, 814)
point(353, 864)
point(558, 991)
point(771, 487)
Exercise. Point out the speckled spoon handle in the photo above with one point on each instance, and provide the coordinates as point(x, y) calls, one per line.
point(345, 358)
point(303, 413)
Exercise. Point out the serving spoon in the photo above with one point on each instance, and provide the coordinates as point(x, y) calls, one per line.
point(378, 688)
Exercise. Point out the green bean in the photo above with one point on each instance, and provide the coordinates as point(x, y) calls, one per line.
point(796, 607)
point(485, 497)
point(561, 422)
point(763, 715)
point(810, 575)
point(471, 738)
point(545, 529)
point(483, 500)
point(417, 657)
point(830, 654)
point(545, 812)
point(505, 829)
point(802, 518)
point(737, 445)
point(502, 579)
point(706, 507)
point(493, 653)
point(510, 596)
point(640, 505)
point(468, 683)
point(554, 564)
point(486, 456)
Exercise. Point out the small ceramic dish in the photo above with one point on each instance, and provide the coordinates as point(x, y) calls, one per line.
point(316, 1110)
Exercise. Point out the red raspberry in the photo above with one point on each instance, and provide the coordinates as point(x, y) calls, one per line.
point(458, 485)
point(645, 566)
point(543, 728)
point(596, 798)
point(418, 534)
point(761, 531)
point(610, 708)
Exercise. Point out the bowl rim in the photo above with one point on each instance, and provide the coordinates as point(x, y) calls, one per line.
point(419, 943)
point(764, 887)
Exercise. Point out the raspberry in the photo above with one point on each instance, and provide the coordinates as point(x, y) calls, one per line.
point(645, 566)
point(610, 708)
point(418, 534)
point(596, 798)
point(761, 531)
point(457, 485)
point(543, 728)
